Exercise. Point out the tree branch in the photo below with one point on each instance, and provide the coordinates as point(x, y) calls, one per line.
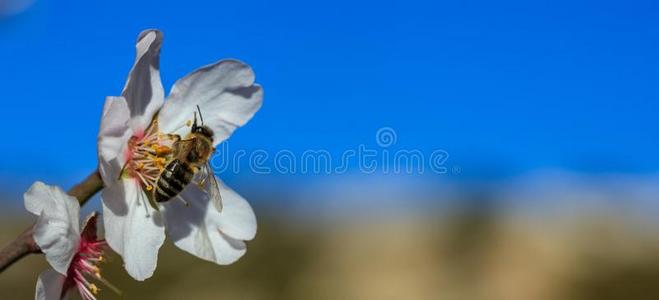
point(24, 244)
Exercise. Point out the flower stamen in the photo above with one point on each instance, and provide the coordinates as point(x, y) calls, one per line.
point(148, 155)
point(85, 266)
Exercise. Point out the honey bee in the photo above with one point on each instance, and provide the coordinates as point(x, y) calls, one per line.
point(189, 161)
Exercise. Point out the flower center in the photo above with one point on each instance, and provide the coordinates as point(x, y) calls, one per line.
point(148, 155)
point(84, 269)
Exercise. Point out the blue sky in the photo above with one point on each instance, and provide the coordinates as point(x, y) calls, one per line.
point(511, 86)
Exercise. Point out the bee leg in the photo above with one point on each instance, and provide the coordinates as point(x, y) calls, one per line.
point(201, 183)
point(153, 202)
point(182, 200)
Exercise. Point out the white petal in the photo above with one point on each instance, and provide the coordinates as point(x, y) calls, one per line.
point(225, 92)
point(227, 250)
point(57, 231)
point(143, 90)
point(184, 222)
point(237, 218)
point(113, 137)
point(196, 228)
point(143, 236)
point(115, 212)
point(49, 285)
point(132, 227)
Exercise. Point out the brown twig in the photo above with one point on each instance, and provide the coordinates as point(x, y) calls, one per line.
point(24, 244)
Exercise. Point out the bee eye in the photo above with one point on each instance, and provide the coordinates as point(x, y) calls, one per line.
point(193, 156)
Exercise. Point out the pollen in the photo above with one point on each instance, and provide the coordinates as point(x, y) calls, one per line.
point(149, 188)
point(93, 288)
point(160, 161)
point(162, 150)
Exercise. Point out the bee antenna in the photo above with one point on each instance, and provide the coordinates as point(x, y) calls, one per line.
point(200, 116)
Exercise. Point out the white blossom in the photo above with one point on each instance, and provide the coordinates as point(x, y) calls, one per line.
point(136, 131)
point(73, 254)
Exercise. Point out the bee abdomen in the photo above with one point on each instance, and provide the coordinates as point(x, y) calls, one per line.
point(173, 180)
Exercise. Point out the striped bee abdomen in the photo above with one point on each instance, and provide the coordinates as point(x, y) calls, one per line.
point(173, 179)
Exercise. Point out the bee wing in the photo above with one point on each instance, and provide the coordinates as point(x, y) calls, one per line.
point(211, 186)
point(214, 191)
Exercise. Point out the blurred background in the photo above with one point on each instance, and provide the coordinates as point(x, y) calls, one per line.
point(408, 149)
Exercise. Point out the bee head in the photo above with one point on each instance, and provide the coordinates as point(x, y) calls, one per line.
point(201, 129)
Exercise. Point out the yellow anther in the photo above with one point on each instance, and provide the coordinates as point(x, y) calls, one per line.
point(149, 188)
point(93, 288)
point(160, 161)
point(163, 150)
point(101, 258)
point(140, 166)
point(188, 123)
point(97, 274)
